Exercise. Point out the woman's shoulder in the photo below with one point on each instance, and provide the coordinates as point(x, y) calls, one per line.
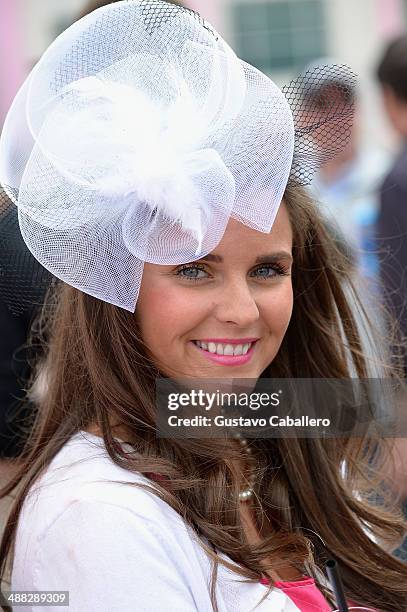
point(86, 519)
point(83, 473)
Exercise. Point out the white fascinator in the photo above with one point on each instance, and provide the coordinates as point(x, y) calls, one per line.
point(135, 138)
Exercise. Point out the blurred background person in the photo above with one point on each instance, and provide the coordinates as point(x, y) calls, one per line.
point(18, 310)
point(347, 186)
point(392, 220)
point(392, 231)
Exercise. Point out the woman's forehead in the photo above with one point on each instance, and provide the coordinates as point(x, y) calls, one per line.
point(239, 235)
point(240, 242)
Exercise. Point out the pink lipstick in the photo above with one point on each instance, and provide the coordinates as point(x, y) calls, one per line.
point(228, 360)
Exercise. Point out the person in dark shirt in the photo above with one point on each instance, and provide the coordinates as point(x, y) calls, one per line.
point(23, 285)
point(392, 221)
point(392, 227)
point(14, 371)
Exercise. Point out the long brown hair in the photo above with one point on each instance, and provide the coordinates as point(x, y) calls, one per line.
point(98, 371)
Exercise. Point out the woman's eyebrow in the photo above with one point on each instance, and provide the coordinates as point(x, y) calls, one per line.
point(273, 257)
point(268, 258)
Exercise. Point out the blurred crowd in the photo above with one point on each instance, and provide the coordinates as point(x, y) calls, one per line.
point(363, 196)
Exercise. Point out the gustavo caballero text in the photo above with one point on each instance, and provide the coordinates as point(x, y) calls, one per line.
point(224, 421)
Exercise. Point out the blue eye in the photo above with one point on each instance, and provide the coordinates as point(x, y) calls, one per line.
point(192, 268)
point(190, 272)
point(277, 270)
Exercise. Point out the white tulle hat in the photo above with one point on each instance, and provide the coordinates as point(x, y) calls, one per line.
point(135, 138)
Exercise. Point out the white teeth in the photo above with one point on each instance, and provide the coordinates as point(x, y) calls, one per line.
point(224, 349)
point(228, 350)
point(212, 347)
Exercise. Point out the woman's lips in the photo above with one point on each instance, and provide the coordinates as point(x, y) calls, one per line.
point(227, 360)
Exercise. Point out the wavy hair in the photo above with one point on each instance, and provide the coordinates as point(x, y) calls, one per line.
point(307, 508)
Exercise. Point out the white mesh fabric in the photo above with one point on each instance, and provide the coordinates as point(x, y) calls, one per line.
point(135, 138)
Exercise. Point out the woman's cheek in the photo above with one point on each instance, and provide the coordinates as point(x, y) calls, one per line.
point(277, 309)
point(181, 308)
point(173, 309)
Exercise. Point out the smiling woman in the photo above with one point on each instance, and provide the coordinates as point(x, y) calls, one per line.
point(235, 308)
point(157, 182)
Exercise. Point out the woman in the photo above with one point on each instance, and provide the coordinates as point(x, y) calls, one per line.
point(106, 509)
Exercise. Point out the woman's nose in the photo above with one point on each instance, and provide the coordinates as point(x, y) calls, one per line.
point(236, 304)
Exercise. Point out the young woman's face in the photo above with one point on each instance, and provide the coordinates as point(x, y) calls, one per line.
point(226, 314)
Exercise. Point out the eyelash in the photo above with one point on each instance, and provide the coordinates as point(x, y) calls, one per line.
point(276, 267)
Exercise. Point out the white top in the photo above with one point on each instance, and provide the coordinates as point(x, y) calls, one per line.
point(115, 547)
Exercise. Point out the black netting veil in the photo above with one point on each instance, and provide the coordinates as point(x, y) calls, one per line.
point(323, 107)
point(23, 280)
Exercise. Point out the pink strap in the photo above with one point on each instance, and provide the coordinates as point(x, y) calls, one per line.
point(304, 593)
